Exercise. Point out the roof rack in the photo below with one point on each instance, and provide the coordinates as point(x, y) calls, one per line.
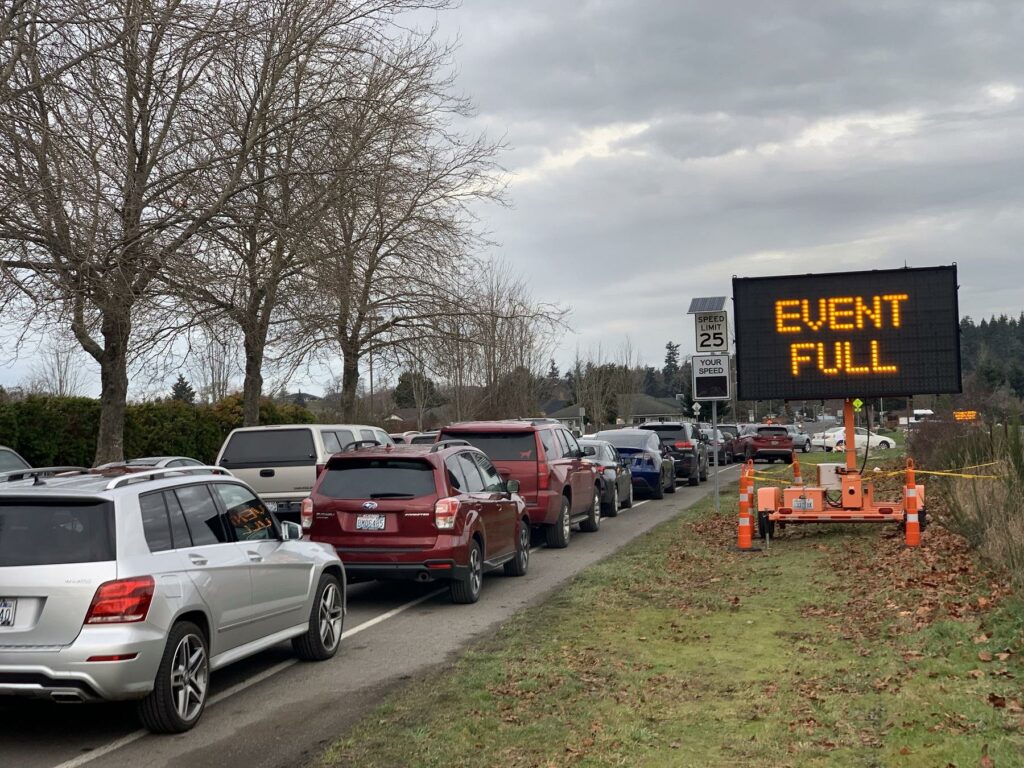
point(156, 474)
point(442, 444)
point(36, 472)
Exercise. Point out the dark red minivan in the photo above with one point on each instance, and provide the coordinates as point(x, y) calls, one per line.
point(420, 512)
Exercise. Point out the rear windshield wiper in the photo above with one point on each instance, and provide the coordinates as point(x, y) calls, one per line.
point(391, 495)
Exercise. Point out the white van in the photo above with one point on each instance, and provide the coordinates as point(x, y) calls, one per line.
point(281, 462)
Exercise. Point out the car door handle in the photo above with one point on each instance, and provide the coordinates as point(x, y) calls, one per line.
point(198, 559)
point(255, 557)
point(267, 473)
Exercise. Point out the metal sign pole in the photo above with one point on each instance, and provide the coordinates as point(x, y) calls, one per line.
point(714, 438)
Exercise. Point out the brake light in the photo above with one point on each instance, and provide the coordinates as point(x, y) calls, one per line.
point(306, 513)
point(124, 601)
point(543, 477)
point(445, 511)
point(651, 459)
point(320, 469)
point(683, 445)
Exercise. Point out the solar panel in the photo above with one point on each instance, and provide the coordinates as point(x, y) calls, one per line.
point(707, 304)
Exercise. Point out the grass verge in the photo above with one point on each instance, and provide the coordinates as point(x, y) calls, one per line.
point(837, 647)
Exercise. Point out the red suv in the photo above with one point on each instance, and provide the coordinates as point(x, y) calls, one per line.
point(559, 488)
point(766, 441)
point(422, 512)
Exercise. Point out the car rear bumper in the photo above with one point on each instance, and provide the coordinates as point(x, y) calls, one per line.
point(544, 508)
point(429, 570)
point(646, 481)
point(772, 453)
point(65, 674)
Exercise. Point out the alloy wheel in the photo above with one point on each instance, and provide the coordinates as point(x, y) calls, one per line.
point(566, 525)
point(524, 546)
point(476, 571)
point(595, 512)
point(331, 616)
point(615, 496)
point(189, 677)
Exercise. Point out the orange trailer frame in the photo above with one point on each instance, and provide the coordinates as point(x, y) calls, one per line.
point(800, 504)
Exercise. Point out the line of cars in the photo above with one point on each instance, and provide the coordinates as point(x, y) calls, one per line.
point(137, 580)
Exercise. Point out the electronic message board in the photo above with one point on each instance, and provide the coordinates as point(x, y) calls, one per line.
point(885, 333)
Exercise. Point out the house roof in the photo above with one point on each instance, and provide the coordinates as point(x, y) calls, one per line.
point(639, 404)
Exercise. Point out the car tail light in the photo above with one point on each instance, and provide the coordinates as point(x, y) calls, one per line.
point(320, 469)
point(124, 601)
point(543, 477)
point(683, 445)
point(445, 511)
point(651, 459)
point(306, 513)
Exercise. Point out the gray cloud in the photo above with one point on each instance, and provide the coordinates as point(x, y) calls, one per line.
point(661, 147)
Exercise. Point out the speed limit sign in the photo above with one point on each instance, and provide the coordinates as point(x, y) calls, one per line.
point(712, 331)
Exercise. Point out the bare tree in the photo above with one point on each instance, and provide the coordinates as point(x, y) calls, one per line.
point(394, 243)
point(57, 370)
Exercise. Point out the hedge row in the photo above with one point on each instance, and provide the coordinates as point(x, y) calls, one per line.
point(51, 431)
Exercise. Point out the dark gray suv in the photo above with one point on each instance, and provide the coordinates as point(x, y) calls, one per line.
point(685, 445)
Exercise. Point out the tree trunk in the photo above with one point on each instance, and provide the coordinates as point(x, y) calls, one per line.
point(113, 388)
point(252, 386)
point(349, 384)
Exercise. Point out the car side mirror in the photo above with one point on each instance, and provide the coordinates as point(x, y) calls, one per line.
point(512, 486)
point(290, 531)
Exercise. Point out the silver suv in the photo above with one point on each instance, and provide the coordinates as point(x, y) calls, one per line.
point(137, 587)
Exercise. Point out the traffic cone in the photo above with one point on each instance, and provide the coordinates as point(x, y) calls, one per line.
point(913, 521)
point(798, 479)
point(744, 534)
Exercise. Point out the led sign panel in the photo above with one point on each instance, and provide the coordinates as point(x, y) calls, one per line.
point(885, 333)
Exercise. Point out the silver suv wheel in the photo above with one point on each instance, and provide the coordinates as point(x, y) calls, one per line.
point(190, 675)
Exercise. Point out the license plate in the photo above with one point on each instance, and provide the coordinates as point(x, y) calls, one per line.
point(804, 505)
point(8, 607)
point(370, 523)
point(775, 442)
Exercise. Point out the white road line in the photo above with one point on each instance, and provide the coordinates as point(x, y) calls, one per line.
point(134, 736)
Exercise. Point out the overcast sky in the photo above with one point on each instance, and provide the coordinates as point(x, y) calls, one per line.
point(658, 147)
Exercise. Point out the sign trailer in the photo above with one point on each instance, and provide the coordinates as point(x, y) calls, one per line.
point(885, 333)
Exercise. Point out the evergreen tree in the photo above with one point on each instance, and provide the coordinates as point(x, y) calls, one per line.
point(182, 391)
point(553, 373)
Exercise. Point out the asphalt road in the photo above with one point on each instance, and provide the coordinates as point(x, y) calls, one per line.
point(271, 711)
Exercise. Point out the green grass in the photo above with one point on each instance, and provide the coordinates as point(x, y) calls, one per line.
point(680, 651)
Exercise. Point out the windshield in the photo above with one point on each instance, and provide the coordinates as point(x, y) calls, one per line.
point(55, 532)
point(772, 432)
point(377, 479)
point(270, 448)
point(624, 439)
point(500, 446)
point(10, 461)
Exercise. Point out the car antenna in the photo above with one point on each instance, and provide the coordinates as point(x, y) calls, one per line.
point(37, 480)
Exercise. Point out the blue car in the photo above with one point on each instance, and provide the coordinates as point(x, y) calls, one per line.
point(653, 470)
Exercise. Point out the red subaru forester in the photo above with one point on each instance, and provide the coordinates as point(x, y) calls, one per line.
point(421, 512)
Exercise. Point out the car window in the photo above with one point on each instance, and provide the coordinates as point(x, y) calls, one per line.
point(456, 477)
point(384, 438)
point(492, 480)
point(179, 528)
point(270, 448)
point(246, 513)
point(547, 439)
point(201, 514)
point(563, 445)
point(470, 470)
point(368, 478)
point(331, 443)
point(772, 432)
point(499, 446)
point(10, 461)
point(368, 434)
point(654, 444)
point(572, 445)
point(34, 532)
point(155, 525)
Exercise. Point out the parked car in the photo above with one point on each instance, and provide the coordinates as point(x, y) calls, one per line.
point(615, 477)
point(732, 434)
point(420, 512)
point(801, 440)
point(11, 460)
point(139, 586)
point(652, 467)
point(424, 438)
point(770, 442)
point(685, 444)
point(862, 439)
point(149, 462)
point(558, 487)
point(404, 438)
point(724, 445)
point(823, 440)
point(283, 461)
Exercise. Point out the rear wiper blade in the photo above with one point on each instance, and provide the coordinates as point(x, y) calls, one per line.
point(388, 495)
